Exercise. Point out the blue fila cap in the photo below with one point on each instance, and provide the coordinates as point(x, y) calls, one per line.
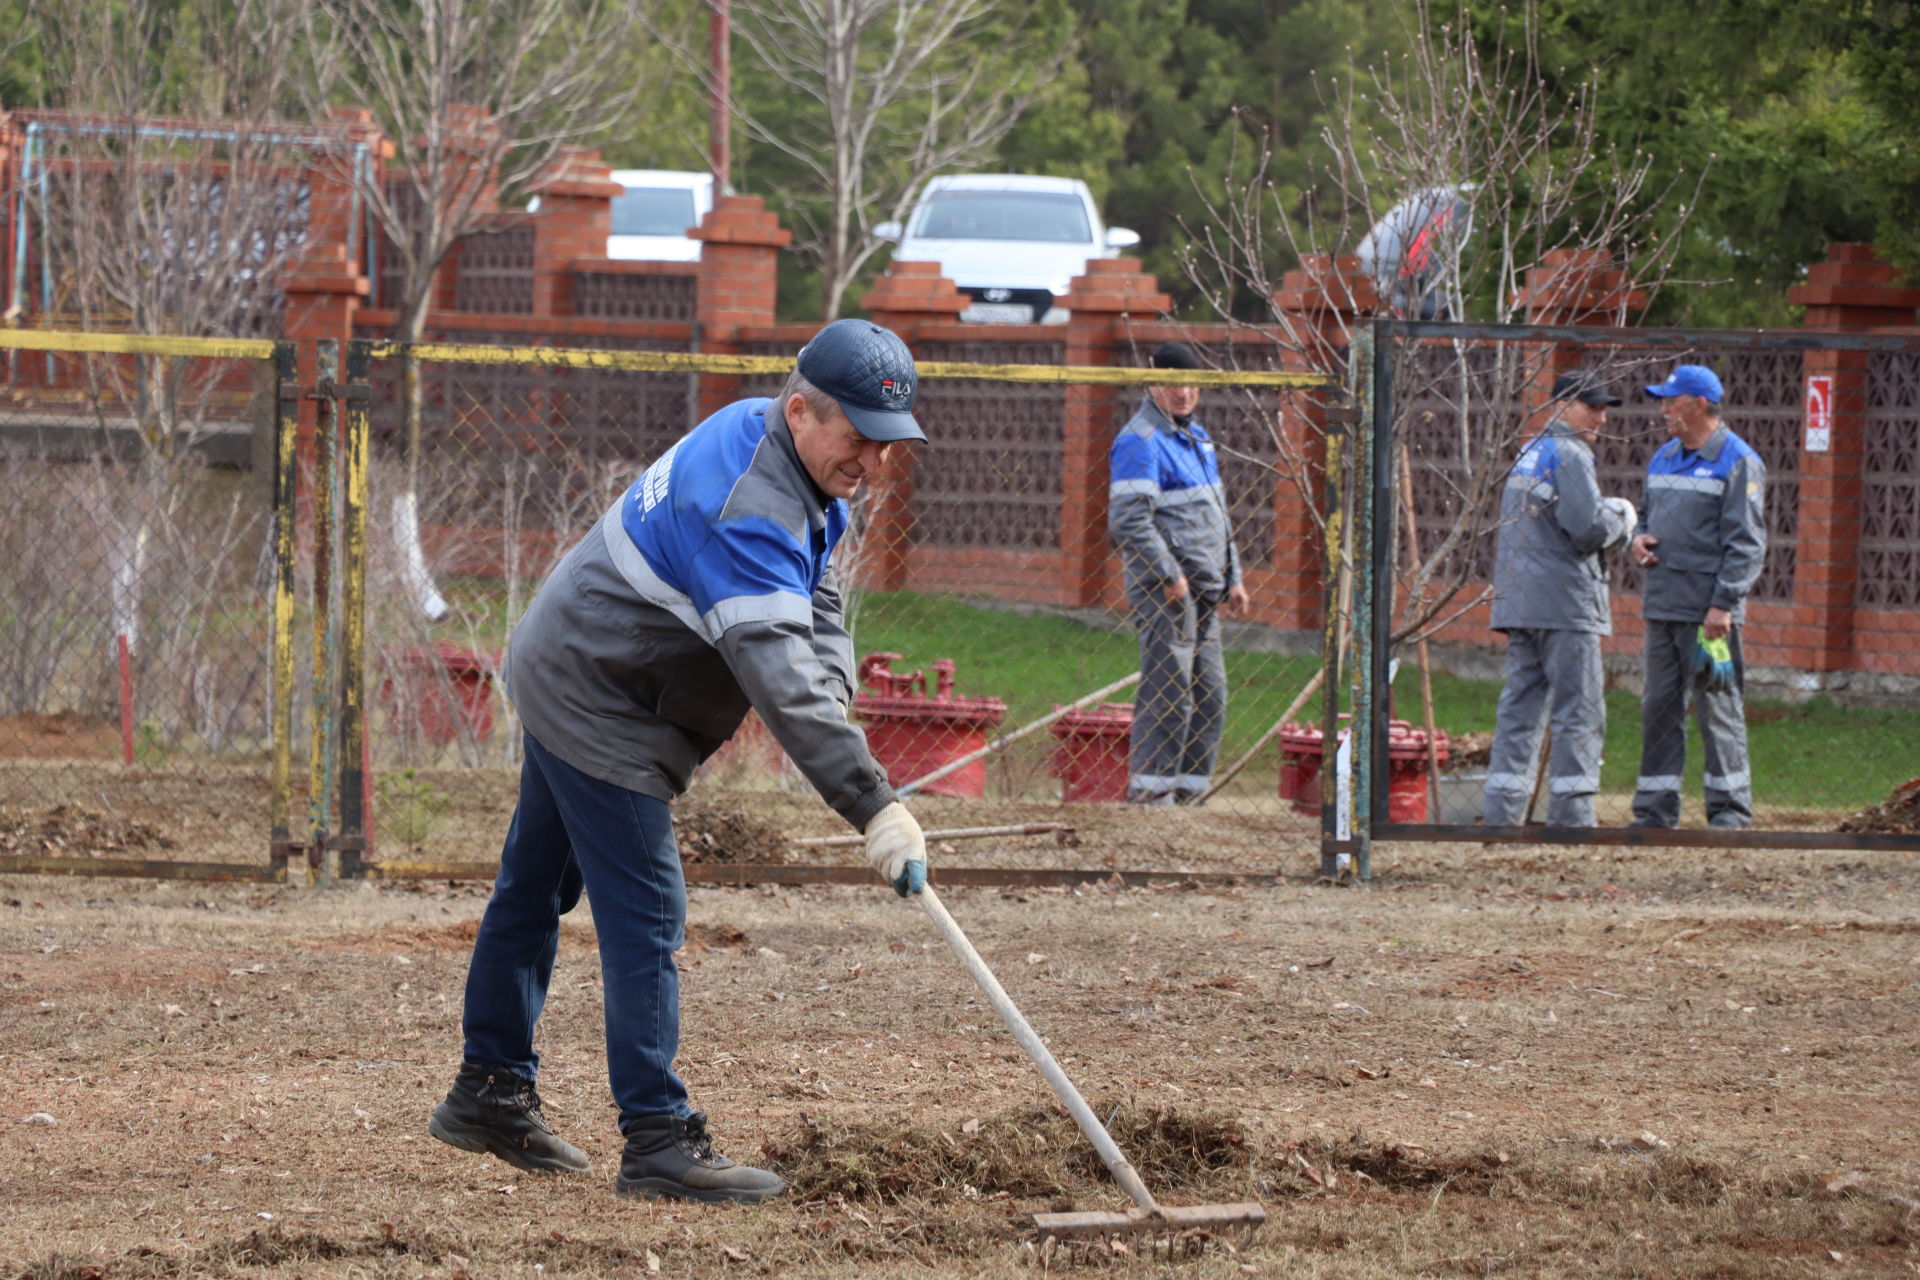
point(869, 372)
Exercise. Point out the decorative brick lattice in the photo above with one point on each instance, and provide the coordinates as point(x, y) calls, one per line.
point(542, 432)
point(1457, 413)
point(1763, 407)
point(496, 272)
point(1889, 546)
point(994, 479)
point(1245, 423)
point(607, 296)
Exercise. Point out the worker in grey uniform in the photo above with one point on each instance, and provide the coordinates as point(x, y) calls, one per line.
point(1702, 539)
point(1167, 513)
point(1550, 598)
point(706, 590)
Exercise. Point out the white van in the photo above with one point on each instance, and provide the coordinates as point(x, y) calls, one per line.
point(652, 216)
point(1011, 241)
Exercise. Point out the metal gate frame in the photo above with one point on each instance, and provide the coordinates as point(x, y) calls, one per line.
point(279, 362)
point(1369, 539)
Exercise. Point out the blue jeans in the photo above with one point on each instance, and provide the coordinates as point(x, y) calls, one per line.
point(569, 829)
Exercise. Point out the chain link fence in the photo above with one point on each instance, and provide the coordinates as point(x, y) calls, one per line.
point(1792, 504)
point(983, 596)
point(156, 613)
point(137, 564)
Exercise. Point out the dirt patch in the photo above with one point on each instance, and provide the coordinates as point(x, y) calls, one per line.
point(1565, 1064)
point(1898, 814)
point(61, 735)
point(712, 828)
point(1469, 750)
point(65, 829)
point(1034, 1151)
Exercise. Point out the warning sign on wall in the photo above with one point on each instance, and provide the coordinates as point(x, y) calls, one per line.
point(1819, 413)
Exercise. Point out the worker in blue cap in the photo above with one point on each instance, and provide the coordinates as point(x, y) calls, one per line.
point(1702, 539)
point(705, 591)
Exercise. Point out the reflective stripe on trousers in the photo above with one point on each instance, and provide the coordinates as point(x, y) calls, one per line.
point(1727, 779)
point(1552, 677)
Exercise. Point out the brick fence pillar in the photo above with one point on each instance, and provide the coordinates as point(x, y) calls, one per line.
point(1851, 291)
point(576, 212)
point(1573, 287)
point(1320, 301)
point(739, 264)
point(1098, 303)
point(908, 296)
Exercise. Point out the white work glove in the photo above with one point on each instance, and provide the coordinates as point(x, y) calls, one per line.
point(1623, 511)
point(897, 849)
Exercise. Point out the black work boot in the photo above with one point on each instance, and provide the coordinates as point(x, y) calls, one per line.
point(671, 1158)
point(490, 1109)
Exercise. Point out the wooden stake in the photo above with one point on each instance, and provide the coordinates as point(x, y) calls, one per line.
point(1292, 710)
point(1426, 667)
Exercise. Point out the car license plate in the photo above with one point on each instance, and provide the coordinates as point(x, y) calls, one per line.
point(997, 313)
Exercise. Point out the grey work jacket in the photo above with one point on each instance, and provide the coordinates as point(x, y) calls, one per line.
point(1548, 572)
point(1166, 507)
point(1708, 509)
point(618, 684)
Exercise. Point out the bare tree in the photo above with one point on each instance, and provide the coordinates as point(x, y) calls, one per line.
point(1483, 171)
point(477, 98)
point(164, 199)
point(869, 98)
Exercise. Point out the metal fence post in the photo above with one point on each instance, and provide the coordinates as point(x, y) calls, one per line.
point(286, 389)
point(1377, 771)
point(1340, 424)
point(1366, 588)
point(320, 683)
point(355, 395)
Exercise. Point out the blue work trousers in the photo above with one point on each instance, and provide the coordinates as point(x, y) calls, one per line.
point(570, 829)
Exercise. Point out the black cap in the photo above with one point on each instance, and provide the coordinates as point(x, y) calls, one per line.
point(1585, 388)
point(869, 371)
point(1174, 355)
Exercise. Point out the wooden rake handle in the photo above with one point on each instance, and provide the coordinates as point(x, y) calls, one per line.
point(1122, 1169)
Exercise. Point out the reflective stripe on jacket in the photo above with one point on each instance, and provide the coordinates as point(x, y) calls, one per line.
point(1166, 507)
point(705, 590)
point(1708, 509)
point(1548, 573)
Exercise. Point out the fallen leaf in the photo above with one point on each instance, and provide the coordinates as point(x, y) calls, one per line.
point(1647, 1141)
point(1840, 1183)
point(971, 1126)
point(175, 1011)
point(653, 1262)
point(738, 1255)
point(1036, 957)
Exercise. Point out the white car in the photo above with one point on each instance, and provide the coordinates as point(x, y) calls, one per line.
point(1011, 241)
point(652, 216)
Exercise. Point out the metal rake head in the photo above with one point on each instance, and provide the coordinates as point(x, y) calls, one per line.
point(1095, 1237)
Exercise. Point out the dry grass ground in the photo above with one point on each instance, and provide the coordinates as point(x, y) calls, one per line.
point(1546, 1062)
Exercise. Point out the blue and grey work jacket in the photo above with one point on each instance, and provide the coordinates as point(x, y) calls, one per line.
point(705, 590)
point(1708, 509)
point(1166, 508)
point(1548, 573)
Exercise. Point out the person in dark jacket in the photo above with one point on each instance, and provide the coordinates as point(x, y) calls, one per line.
point(704, 591)
point(1167, 513)
point(1550, 598)
point(1702, 539)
